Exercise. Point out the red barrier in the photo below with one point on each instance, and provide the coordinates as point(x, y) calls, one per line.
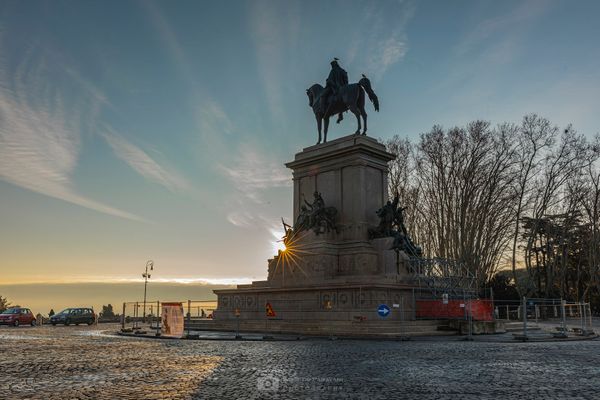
point(481, 310)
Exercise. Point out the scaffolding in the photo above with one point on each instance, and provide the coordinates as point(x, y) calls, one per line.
point(442, 277)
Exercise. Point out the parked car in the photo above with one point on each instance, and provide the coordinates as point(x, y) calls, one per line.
point(74, 316)
point(17, 316)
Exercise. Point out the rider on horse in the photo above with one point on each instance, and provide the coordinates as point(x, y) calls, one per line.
point(337, 78)
point(338, 97)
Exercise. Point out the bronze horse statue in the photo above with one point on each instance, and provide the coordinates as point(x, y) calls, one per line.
point(349, 98)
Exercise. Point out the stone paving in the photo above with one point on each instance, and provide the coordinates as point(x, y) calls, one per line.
point(87, 363)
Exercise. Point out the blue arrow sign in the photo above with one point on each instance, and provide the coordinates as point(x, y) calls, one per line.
point(383, 310)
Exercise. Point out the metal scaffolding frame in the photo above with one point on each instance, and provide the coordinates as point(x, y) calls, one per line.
point(442, 276)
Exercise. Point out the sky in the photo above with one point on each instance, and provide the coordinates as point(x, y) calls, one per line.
point(43, 297)
point(137, 130)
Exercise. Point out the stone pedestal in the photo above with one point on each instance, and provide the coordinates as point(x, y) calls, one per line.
point(336, 276)
point(351, 175)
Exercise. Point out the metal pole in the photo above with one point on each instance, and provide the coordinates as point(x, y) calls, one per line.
point(524, 311)
point(470, 319)
point(189, 316)
point(145, 288)
point(465, 306)
point(493, 307)
point(564, 316)
point(146, 275)
point(159, 318)
point(402, 327)
point(414, 305)
point(123, 317)
point(581, 309)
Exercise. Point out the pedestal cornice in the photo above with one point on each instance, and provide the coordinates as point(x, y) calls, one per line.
point(367, 149)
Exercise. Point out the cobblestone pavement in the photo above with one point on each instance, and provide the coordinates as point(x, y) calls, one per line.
point(84, 363)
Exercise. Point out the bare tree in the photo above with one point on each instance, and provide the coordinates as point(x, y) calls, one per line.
point(4, 303)
point(522, 196)
point(533, 137)
point(563, 162)
point(590, 202)
point(465, 176)
point(402, 181)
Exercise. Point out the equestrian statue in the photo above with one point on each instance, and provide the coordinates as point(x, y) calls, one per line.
point(338, 97)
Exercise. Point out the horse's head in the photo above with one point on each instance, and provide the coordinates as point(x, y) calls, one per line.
point(310, 97)
point(312, 93)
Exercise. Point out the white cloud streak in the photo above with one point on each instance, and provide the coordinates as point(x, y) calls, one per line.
point(209, 116)
point(143, 164)
point(490, 47)
point(212, 123)
point(504, 24)
point(275, 30)
point(384, 43)
point(40, 136)
point(253, 172)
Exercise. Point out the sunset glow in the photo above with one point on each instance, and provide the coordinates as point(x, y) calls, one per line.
point(169, 142)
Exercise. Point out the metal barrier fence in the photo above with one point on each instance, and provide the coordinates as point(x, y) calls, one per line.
point(338, 307)
point(344, 313)
point(135, 317)
point(378, 307)
point(477, 309)
point(559, 314)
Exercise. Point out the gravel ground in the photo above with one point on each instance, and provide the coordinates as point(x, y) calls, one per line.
point(91, 363)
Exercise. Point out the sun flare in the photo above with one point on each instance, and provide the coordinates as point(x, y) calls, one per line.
point(278, 246)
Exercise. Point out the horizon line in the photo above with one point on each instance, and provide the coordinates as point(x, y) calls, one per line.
point(181, 281)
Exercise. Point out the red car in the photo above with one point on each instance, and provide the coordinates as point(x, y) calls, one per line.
point(17, 316)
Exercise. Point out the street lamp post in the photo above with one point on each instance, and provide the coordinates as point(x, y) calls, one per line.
point(146, 276)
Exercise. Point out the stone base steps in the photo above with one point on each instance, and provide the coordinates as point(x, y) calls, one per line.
point(518, 326)
point(337, 328)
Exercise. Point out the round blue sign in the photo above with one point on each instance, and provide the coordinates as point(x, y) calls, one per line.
point(383, 310)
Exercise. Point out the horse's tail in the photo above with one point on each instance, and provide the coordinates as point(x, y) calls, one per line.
point(365, 83)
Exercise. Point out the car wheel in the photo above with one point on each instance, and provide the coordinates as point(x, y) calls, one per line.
point(16, 323)
point(67, 322)
point(33, 322)
point(76, 323)
point(90, 322)
point(53, 323)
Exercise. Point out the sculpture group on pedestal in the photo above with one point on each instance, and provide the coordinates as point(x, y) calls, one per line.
point(391, 224)
point(313, 216)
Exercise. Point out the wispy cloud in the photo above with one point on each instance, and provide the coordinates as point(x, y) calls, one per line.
point(252, 172)
point(491, 47)
point(40, 135)
point(143, 164)
point(213, 123)
point(503, 24)
point(383, 42)
point(210, 119)
point(169, 39)
point(274, 28)
point(260, 220)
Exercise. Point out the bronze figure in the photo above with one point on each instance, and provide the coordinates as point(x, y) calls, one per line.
point(338, 97)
